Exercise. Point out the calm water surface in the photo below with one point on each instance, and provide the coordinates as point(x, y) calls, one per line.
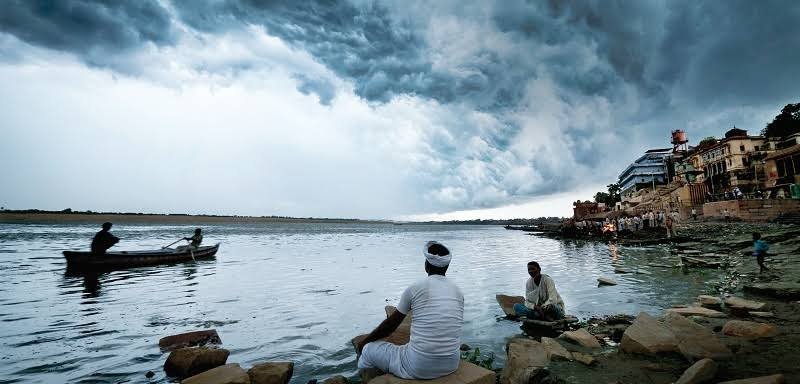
point(275, 292)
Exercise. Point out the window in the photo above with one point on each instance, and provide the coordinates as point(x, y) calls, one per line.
point(741, 148)
point(756, 148)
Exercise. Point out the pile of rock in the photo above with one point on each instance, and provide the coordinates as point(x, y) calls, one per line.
point(196, 357)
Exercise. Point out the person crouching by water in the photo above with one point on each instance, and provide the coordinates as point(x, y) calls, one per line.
point(760, 248)
point(103, 240)
point(194, 241)
point(542, 301)
point(437, 306)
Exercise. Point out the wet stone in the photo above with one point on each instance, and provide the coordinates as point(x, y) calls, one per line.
point(772, 379)
point(647, 336)
point(338, 379)
point(186, 362)
point(697, 311)
point(605, 281)
point(467, 373)
point(271, 373)
point(709, 301)
point(739, 302)
point(226, 374)
point(189, 339)
point(523, 355)
point(583, 358)
point(749, 329)
point(555, 351)
point(694, 340)
point(581, 337)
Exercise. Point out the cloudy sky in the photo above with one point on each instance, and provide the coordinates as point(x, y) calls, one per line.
point(403, 109)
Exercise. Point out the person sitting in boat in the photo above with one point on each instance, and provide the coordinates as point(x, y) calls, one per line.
point(542, 301)
point(437, 306)
point(194, 241)
point(103, 240)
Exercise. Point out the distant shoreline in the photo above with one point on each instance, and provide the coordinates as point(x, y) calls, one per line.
point(122, 218)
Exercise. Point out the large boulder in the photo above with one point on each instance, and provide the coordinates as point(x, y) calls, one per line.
point(738, 302)
point(581, 337)
point(524, 356)
point(700, 372)
point(694, 340)
point(189, 339)
point(647, 336)
point(507, 303)
point(467, 373)
point(555, 351)
point(749, 329)
point(697, 311)
point(271, 373)
point(338, 379)
point(185, 362)
point(772, 379)
point(226, 374)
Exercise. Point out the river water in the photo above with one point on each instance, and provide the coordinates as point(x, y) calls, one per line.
point(278, 292)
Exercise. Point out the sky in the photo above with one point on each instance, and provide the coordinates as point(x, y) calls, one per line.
point(374, 110)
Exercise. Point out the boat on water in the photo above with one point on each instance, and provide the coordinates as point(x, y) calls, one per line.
point(82, 259)
point(526, 228)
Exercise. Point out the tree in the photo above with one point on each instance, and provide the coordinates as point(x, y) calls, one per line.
point(785, 124)
point(613, 192)
point(707, 142)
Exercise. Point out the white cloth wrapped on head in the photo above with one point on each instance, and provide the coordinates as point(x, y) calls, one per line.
point(436, 260)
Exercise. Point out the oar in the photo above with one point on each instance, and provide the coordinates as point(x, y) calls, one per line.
point(172, 243)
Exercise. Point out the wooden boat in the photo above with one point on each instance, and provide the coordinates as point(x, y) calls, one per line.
point(526, 228)
point(79, 259)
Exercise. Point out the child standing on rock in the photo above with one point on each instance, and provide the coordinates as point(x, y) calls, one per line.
point(760, 248)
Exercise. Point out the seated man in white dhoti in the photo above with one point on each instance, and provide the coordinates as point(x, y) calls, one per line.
point(437, 307)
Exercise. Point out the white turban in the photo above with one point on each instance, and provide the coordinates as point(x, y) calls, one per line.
point(436, 260)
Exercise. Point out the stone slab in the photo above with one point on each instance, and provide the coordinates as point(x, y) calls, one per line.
point(606, 281)
point(556, 351)
point(522, 355)
point(507, 303)
point(647, 336)
point(185, 362)
point(739, 302)
point(467, 373)
point(189, 339)
point(226, 374)
point(782, 290)
point(749, 329)
point(694, 340)
point(697, 311)
point(581, 337)
point(709, 301)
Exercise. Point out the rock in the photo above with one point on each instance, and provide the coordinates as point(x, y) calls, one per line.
point(584, 358)
point(739, 311)
point(185, 362)
point(734, 301)
point(271, 373)
point(507, 303)
point(582, 337)
point(464, 347)
point(694, 340)
point(781, 290)
point(749, 329)
point(605, 281)
point(647, 336)
point(467, 373)
point(773, 379)
point(709, 301)
point(655, 367)
point(367, 374)
point(338, 379)
point(555, 351)
point(149, 374)
point(621, 270)
point(226, 374)
point(697, 311)
point(522, 354)
point(700, 372)
point(763, 314)
point(189, 339)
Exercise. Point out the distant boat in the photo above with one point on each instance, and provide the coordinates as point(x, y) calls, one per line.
point(121, 259)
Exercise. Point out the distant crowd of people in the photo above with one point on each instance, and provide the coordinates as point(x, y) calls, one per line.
point(736, 194)
point(628, 224)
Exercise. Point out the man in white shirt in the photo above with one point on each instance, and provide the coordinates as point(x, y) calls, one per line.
point(542, 301)
point(438, 313)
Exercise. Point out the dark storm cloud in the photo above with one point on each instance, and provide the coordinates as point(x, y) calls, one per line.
point(91, 29)
point(384, 57)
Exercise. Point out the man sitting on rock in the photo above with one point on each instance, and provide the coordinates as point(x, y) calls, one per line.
point(542, 301)
point(437, 307)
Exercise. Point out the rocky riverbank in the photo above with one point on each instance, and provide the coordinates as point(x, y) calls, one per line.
point(748, 327)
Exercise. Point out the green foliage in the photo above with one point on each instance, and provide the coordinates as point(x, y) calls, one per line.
point(475, 357)
point(707, 142)
point(611, 197)
point(785, 123)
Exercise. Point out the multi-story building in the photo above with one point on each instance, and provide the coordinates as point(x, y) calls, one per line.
point(647, 171)
point(783, 169)
point(730, 162)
